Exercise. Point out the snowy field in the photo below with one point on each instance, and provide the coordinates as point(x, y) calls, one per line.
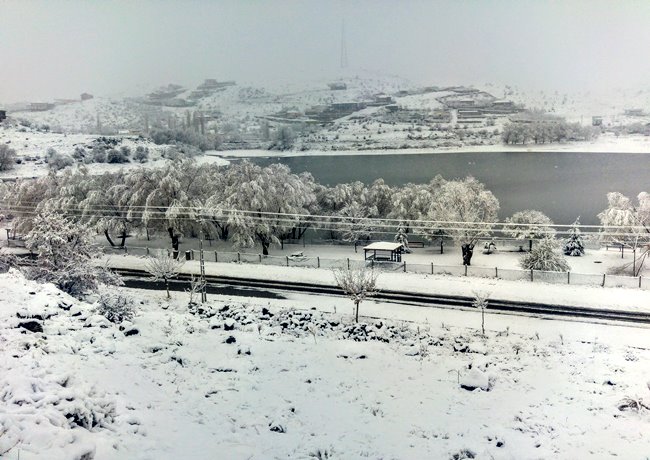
point(260, 379)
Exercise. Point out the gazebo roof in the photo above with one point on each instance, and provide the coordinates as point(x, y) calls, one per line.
point(383, 246)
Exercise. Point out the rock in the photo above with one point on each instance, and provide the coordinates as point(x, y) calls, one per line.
point(230, 339)
point(475, 379)
point(500, 443)
point(31, 326)
point(132, 331)
point(229, 325)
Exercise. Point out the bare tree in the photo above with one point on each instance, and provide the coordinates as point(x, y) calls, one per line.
point(163, 267)
point(357, 284)
point(481, 302)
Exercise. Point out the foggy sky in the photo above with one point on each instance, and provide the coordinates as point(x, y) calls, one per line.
point(58, 49)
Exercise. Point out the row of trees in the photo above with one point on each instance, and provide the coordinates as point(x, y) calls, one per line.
point(546, 131)
point(253, 205)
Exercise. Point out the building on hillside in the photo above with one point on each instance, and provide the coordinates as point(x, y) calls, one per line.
point(337, 86)
point(596, 121)
point(634, 112)
point(40, 106)
point(3, 115)
point(86, 96)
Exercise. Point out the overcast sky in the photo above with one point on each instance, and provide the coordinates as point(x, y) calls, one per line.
point(57, 49)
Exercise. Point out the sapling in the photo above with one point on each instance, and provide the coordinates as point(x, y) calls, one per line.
point(481, 302)
point(358, 284)
point(163, 267)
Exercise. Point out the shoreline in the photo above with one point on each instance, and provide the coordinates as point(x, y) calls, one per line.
point(604, 144)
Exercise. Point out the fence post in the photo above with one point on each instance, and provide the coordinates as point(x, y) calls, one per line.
point(238, 257)
point(216, 258)
point(348, 263)
point(432, 268)
point(126, 250)
point(639, 282)
point(496, 272)
point(260, 255)
point(404, 266)
point(318, 261)
point(287, 260)
point(531, 275)
point(568, 277)
point(147, 251)
point(372, 263)
point(604, 279)
point(465, 270)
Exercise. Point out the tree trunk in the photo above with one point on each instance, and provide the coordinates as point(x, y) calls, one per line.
point(356, 308)
point(530, 245)
point(108, 237)
point(468, 252)
point(123, 238)
point(174, 239)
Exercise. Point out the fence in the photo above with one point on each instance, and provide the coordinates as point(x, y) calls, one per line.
point(510, 274)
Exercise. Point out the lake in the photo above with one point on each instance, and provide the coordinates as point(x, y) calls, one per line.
point(563, 185)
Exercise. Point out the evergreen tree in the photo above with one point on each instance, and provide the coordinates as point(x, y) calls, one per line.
point(574, 246)
point(545, 257)
point(401, 237)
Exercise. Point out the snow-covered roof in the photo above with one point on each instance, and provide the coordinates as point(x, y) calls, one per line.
point(383, 246)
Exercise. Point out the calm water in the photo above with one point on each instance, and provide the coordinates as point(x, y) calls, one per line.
point(561, 185)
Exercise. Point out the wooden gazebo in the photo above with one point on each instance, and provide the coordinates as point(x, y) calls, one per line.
point(383, 251)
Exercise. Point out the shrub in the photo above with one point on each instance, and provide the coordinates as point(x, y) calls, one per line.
point(7, 157)
point(115, 307)
point(545, 257)
point(116, 156)
point(141, 154)
point(56, 161)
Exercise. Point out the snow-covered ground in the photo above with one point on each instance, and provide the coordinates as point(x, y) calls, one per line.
point(241, 382)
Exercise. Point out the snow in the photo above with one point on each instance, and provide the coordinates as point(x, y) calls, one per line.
point(177, 389)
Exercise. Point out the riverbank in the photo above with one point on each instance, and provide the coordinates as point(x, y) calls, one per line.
point(604, 144)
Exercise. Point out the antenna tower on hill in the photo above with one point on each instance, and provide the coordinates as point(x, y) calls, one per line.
point(344, 51)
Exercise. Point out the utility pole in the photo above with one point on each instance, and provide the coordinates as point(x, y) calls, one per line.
point(204, 296)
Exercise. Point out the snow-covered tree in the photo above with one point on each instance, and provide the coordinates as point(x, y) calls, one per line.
point(264, 204)
point(629, 225)
point(529, 225)
point(358, 284)
point(64, 255)
point(574, 246)
point(465, 211)
point(545, 256)
point(401, 237)
point(163, 267)
point(411, 203)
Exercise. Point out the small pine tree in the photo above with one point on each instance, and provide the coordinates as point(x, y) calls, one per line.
point(545, 257)
point(574, 246)
point(400, 237)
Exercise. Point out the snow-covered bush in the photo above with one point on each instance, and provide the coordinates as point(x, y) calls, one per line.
point(546, 257)
point(65, 255)
point(141, 154)
point(7, 261)
point(57, 161)
point(117, 156)
point(574, 246)
point(7, 157)
point(115, 306)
